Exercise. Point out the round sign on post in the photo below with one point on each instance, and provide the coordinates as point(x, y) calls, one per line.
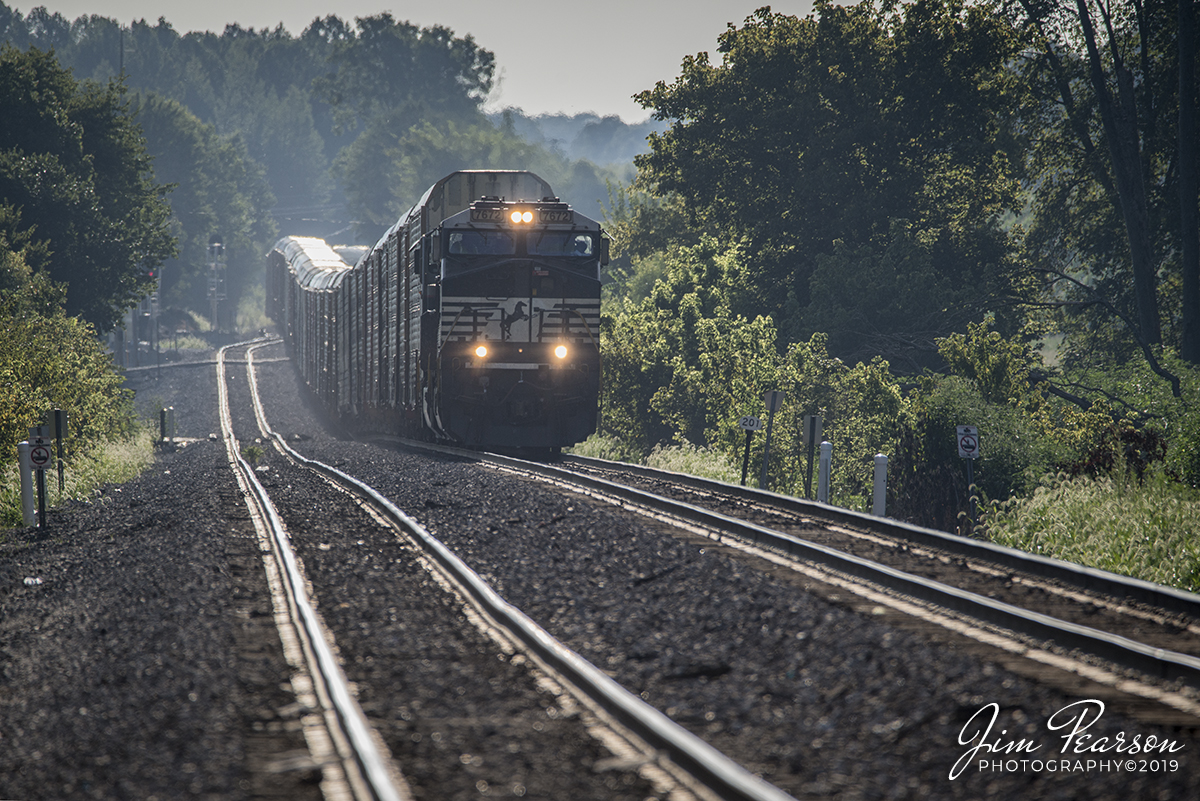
point(39, 456)
point(968, 442)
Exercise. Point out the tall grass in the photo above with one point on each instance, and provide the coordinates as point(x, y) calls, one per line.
point(599, 446)
point(685, 458)
point(1147, 529)
point(110, 463)
point(692, 460)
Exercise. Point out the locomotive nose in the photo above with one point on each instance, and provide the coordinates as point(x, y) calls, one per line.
point(524, 403)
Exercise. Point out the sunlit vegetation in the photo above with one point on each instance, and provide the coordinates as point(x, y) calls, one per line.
point(85, 474)
point(1148, 528)
point(905, 216)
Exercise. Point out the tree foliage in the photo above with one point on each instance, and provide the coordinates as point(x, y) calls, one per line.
point(821, 138)
point(49, 360)
point(681, 367)
point(73, 163)
point(385, 66)
point(393, 162)
point(219, 193)
point(1104, 160)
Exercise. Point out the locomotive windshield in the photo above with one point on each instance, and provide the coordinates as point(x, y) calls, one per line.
point(481, 243)
point(561, 243)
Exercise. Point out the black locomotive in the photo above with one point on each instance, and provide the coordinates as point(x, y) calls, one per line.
point(474, 319)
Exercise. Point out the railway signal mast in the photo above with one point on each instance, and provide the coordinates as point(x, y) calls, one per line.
point(216, 277)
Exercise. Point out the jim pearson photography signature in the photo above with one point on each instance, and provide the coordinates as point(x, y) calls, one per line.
point(1079, 751)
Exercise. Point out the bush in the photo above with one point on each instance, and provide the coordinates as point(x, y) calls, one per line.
point(928, 474)
point(1146, 529)
point(51, 361)
point(690, 460)
point(599, 446)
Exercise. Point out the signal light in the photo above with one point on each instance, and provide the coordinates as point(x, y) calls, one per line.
point(481, 351)
point(561, 351)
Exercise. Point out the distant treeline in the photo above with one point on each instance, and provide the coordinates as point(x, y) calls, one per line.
point(333, 132)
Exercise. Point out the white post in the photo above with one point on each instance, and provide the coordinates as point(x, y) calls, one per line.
point(823, 474)
point(25, 468)
point(880, 504)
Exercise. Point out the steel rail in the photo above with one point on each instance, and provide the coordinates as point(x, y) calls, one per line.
point(1078, 576)
point(1151, 661)
point(323, 667)
point(712, 768)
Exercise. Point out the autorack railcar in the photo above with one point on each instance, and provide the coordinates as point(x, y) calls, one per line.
point(474, 319)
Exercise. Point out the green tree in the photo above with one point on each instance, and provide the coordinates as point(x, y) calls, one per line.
point(1000, 368)
point(390, 165)
point(642, 228)
point(220, 192)
point(74, 163)
point(678, 364)
point(389, 66)
point(49, 360)
point(1111, 171)
point(817, 136)
point(255, 84)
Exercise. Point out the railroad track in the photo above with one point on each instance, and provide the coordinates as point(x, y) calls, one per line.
point(353, 762)
point(1101, 626)
point(673, 760)
point(797, 682)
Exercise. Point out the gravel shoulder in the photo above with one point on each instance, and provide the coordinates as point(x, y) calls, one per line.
point(142, 665)
point(138, 654)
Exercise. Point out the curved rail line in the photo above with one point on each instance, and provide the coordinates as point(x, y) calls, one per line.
point(351, 760)
point(711, 768)
point(1084, 578)
point(1116, 649)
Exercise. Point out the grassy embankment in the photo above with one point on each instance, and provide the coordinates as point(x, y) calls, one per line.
point(109, 463)
point(1147, 529)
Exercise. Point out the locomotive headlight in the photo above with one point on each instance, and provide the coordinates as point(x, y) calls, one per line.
point(481, 351)
point(561, 351)
point(519, 216)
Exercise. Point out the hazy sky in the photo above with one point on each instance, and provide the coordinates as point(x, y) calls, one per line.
point(566, 56)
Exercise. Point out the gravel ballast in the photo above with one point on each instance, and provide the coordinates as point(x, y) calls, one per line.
point(138, 655)
point(149, 596)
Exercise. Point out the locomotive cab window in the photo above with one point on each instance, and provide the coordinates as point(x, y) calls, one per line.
point(562, 243)
point(481, 243)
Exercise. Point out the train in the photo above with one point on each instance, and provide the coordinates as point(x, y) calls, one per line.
point(474, 320)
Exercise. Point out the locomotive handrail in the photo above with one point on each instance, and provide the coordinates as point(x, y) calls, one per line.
point(586, 327)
